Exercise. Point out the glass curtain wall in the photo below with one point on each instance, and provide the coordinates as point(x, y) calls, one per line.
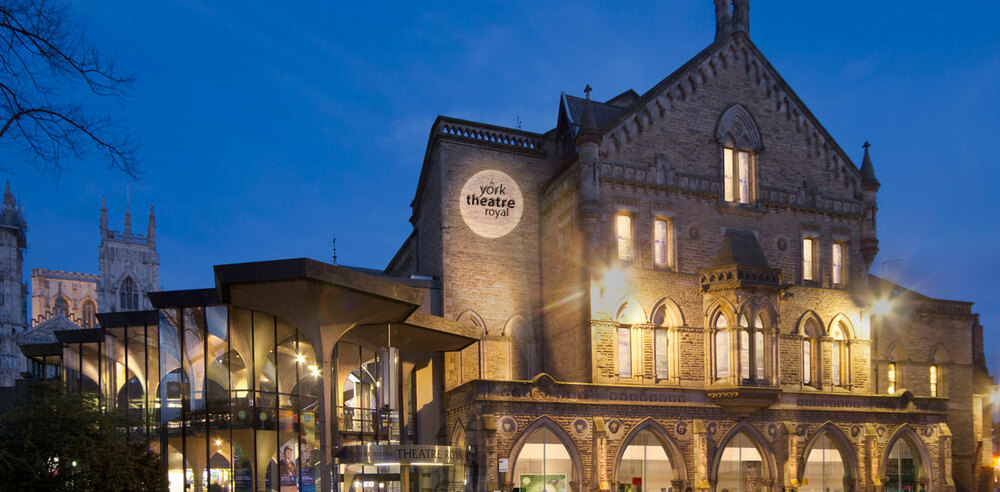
point(543, 464)
point(645, 465)
point(238, 401)
point(741, 468)
point(824, 470)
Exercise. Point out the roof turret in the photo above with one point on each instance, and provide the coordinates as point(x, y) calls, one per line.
point(868, 180)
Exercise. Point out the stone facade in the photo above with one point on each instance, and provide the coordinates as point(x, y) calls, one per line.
point(129, 265)
point(70, 294)
point(13, 291)
point(693, 262)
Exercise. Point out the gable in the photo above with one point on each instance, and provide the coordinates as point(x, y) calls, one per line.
point(675, 124)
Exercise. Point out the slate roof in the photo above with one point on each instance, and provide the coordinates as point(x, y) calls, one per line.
point(603, 111)
point(739, 247)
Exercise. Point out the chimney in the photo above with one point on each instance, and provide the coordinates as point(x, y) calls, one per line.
point(723, 18)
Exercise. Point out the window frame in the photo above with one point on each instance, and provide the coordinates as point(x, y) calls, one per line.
point(739, 176)
point(841, 269)
point(934, 380)
point(629, 241)
point(669, 260)
point(627, 331)
point(813, 241)
point(721, 333)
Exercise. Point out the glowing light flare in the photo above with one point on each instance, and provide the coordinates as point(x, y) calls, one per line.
point(299, 358)
point(613, 283)
point(881, 307)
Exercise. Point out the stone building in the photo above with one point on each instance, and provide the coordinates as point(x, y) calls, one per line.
point(62, 300)
point(671, 291)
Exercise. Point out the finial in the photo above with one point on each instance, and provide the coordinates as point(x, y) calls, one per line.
point(866, 145)
point(868, 179)
point(334, 250)
point(586, 90)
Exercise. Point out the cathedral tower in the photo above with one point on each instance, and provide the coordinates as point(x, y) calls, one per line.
point(13, 309)
point(129, 265)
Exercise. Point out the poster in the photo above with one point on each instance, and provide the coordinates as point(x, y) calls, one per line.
point(287, 473)
point(553, 482)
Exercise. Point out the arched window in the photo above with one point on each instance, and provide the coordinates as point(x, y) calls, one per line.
point(721, 347)
point(543, 463)
point(891, 377)
point(61, 307)
point(824, 467)
point(89, 310)
point(645, 462)
point(810, 336)
point(904, 469)
point(935, 373)
point(740, 140)
point(128, 295)
point(741, 466)
point(665, 316)
point(840, 356)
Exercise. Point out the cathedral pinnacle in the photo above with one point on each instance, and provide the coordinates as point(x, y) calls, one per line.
point(868, 180)
point(128, 220)
point(104, 216)
point(151, 227)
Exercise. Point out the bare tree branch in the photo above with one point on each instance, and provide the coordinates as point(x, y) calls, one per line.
point(50, 80)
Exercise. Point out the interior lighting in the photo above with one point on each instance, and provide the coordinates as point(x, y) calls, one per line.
point(299, 358)
point(218, 442)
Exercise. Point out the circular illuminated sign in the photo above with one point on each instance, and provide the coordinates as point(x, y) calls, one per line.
point(491, 203)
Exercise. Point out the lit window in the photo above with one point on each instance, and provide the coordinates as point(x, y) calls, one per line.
point(721, 348)
point(88, 313)
point(808, 263)
point(807, 361)
point(838, 263)
point(810, 334)
point(624, 352)
point(837, 357)
point(736, 175)
point(934, 380)
point(758, 347)
point(623, 232)
point(662, 345)
point(892, 378)
point(744, 347)
point(661, 244)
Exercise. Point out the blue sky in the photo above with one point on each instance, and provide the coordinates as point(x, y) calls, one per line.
point(267, 131)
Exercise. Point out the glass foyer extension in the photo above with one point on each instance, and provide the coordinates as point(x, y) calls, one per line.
point(239, 399)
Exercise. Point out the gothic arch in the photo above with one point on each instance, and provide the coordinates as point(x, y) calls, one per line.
point(473, 318)
point(128, 294)
point(805, 318)
point(845, 322)
point(907, 433)
point(722, 307)
point(737, 127)
point(673, 452)
point(522, 333)
point(758, 441)
point(674, 317)
point(458, 437)
point(564, 438)
point(896, 352)
point(843, 444)
point(628, 311)
point(939, 355)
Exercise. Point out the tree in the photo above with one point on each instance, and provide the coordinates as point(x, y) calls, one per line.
point(54, 440)
point(47, 69)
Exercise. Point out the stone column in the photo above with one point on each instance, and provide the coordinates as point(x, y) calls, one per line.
point(945, 481)
point(701, 450)
point(872, 457)
point(790, 445)
point(488, 451)
point(600, 459)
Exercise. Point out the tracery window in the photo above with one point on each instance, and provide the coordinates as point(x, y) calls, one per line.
point(61, 307)
point(128, 295)
point(89, 309)
point(736, 175)
point(740, 141)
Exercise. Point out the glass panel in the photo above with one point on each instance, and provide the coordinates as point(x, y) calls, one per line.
point(903, 469)
point(741, 468)
point(543, 464)
point(660, 242)
point(289, 360)
point(624, 352)
point(934, 380)
point(835, 363)
point(727, 175)
point(217, 384)
point(807, 361)
point(758, 348)
point(824, 470)
point(838, 263)
point(623, 230)
point(744, 354)
point(721, 354)
point(807, 258)
point(264, 344)
point(662, 354)
point(645, 465)
point(193, 361)
point(744, 177)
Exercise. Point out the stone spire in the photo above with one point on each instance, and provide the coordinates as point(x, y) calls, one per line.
point(8, 197)
point(104, 217)
point(868, 179)
point(588, 207)
point(588, 121)
point(151, 228)
point(128, 220)
point(869, 190)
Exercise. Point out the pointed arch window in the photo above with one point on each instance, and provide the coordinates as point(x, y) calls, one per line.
point(810, 336)
point(721, 347)
point(840, 356)
point(759, 349)
point(824, 468)
point(89, 311)
point(128, 295)
point(744, 347)
point(666, 320)
point(740, 139)
point(645, 461)
point(741, 466)
point(543, 462)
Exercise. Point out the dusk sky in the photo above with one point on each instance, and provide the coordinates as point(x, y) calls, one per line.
point(265, 131)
